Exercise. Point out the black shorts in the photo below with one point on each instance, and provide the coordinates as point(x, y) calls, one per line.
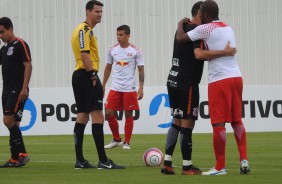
point(87, 97)
point(11, 104)
point(184, 104)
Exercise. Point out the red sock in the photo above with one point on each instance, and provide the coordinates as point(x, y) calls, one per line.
point(113, 123)
point(219, 142)
point(240, 136)
point(128, 127)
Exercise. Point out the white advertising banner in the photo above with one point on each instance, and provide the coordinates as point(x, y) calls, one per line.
point(52, 111)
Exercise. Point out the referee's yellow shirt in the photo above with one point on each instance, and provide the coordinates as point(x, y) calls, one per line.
point(83, 40)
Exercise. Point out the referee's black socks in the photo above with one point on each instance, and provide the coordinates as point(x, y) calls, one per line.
point(98, 135)
point(78, 133)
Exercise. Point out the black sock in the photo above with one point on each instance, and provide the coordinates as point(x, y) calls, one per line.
point(171, 141)
point(17, 138)
point(98, 135)
point(186, 143)
point(13, 149)
point(78, 140)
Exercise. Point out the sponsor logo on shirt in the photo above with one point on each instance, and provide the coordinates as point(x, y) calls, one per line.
point(175, 62)
point(173, 73)
point(122, 63)
point(81, 39)
point(176, 112)
point(172, 83)
point(20, 113)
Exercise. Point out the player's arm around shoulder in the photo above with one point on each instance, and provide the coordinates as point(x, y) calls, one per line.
point(181, 36)
point(141, 81)
point(213, 54)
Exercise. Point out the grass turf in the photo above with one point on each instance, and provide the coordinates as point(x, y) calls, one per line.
point(52, 161)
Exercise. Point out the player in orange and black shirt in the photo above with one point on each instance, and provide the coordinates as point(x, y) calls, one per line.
point(183, 91)
point(87, 88)
point(16, 71)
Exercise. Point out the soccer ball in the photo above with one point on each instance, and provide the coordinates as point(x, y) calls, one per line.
point(153, 157)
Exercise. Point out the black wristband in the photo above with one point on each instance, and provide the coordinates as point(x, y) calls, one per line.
point(92, 74)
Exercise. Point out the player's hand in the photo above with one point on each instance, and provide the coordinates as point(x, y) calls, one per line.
point(140, 93)
point(229, 51)
point(93, 76)
point(23, 95)
point(185, 20)
point(94, 82)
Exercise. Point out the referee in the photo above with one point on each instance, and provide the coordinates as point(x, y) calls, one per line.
point(87, 88)
point(16, 71)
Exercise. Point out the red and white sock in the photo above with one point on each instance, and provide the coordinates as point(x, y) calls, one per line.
point(128, 128)
point(113, 123)
point(219, 143)
point(240, 136)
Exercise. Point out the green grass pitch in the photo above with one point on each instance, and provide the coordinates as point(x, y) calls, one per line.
point(52, 161)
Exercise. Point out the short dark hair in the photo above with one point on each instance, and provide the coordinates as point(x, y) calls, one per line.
point(90, 4)
point(125, 28)
point(196, 8)
point(211, 8)
point(6, 22)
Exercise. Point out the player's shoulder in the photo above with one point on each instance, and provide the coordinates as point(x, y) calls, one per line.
point(19, 42)
point(213, 25)
point(219, 24)
point(84, 26)
point(134, 47)
point(115, 46)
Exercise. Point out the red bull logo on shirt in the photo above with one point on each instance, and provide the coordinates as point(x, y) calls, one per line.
point(122, 63)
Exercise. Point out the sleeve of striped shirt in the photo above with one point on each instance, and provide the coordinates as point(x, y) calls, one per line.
point(24, 51)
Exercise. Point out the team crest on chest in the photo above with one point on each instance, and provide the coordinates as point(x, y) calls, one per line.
point(129, 54)
point(10, 51)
